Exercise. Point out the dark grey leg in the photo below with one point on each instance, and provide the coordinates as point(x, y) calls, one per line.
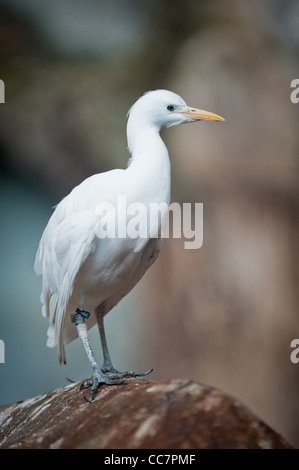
point(107, 367)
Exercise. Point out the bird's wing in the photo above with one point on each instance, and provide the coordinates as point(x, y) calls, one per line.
point(64, 246)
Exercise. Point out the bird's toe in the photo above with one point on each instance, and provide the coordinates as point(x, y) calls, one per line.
point(115, 374)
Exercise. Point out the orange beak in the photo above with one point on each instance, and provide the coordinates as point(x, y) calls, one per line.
point(199, 114)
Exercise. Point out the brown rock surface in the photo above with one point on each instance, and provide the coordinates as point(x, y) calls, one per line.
point(179, 414)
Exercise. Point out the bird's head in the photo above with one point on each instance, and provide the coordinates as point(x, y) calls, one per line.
point(163, 108)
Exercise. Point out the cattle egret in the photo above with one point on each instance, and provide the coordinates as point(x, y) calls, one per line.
point(83, 275)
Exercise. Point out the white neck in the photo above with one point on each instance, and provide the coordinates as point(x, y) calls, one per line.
point(149, 165)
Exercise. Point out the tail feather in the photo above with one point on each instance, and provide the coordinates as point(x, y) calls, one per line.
point(51, 341)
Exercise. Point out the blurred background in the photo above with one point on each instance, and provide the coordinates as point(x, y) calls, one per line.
point(225, 314)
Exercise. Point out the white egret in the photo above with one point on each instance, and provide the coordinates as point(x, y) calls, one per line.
point(84, 273)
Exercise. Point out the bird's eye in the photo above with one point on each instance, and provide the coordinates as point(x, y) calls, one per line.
point(170, 107)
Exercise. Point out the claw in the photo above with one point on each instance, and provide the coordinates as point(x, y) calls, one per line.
point(93, 388)
point(86, 384)
point(133, 374)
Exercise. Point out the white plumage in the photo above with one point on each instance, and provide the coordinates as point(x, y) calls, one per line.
point(81, 270)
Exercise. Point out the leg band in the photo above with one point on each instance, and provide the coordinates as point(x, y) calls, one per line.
point(79, 317)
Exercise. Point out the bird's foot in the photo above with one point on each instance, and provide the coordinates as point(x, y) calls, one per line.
point(98, 378)
point(109, 377)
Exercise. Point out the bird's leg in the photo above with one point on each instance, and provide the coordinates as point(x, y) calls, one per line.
point(79, 320)
point(98, 376)
point(107, 364)
point(107, 367)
